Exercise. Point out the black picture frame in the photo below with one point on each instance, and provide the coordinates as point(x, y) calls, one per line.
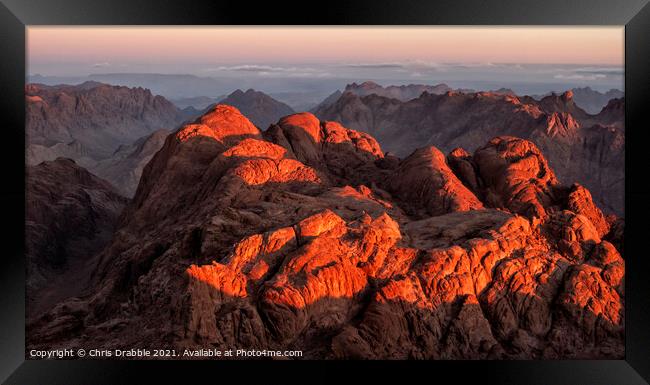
point(15, 15)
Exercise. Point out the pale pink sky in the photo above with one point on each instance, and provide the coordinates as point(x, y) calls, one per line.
point(579, 45)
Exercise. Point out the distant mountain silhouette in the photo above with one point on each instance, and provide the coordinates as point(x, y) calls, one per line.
point(261, 109)
point(590, 100)
point(174, 86)
point(125, 166)
point(403, 93)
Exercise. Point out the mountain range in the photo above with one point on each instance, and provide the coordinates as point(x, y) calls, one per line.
point(92, 119)
point(308, 236)
point(114, 131)
point(192, 90)
point(303, 94)
point(116, 140)
point(581, 147)
point(403, 93)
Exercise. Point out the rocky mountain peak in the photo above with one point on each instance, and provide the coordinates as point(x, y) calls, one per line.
point(562, 103)
point(259, 107)
point(306, 236)
point(567, 96)
point(237, 93)
point(614, 106)
point(402, 92)
point(223, 123)
point(367, 85)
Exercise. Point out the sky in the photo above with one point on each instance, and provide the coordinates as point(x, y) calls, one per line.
point(297, 55)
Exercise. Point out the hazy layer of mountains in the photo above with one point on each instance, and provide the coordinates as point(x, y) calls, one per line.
point(201, 91)
point(114, 130)
point(300, 94)
point(197, 102)
point(97, 125)
point(403, 93)
point(579, 146)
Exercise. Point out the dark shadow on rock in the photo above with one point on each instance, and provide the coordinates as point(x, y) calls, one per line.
point(70, 217)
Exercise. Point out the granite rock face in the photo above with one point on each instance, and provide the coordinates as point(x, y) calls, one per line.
point(307, 236)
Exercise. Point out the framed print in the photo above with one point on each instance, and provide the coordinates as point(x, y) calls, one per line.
point(277, 195)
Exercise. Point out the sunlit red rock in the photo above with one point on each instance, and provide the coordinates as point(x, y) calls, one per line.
point(424, 179)
point(516, 176)
point(305, 237)
point(580, 202)
point(223, 123)
point(348, 156)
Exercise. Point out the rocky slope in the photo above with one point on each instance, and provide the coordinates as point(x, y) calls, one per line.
point(612, 114)
point(328, 101)
point(307, 236)
point(99, 117)
point(125, 167)
point(70, 216)
point(260, 108)
point(593, 101)
point(95, 124)
point(588, 149)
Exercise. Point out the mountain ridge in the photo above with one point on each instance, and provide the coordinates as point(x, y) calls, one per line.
point(585, 148)
point(298, 237)
point(98, 116)
point(261, 108)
